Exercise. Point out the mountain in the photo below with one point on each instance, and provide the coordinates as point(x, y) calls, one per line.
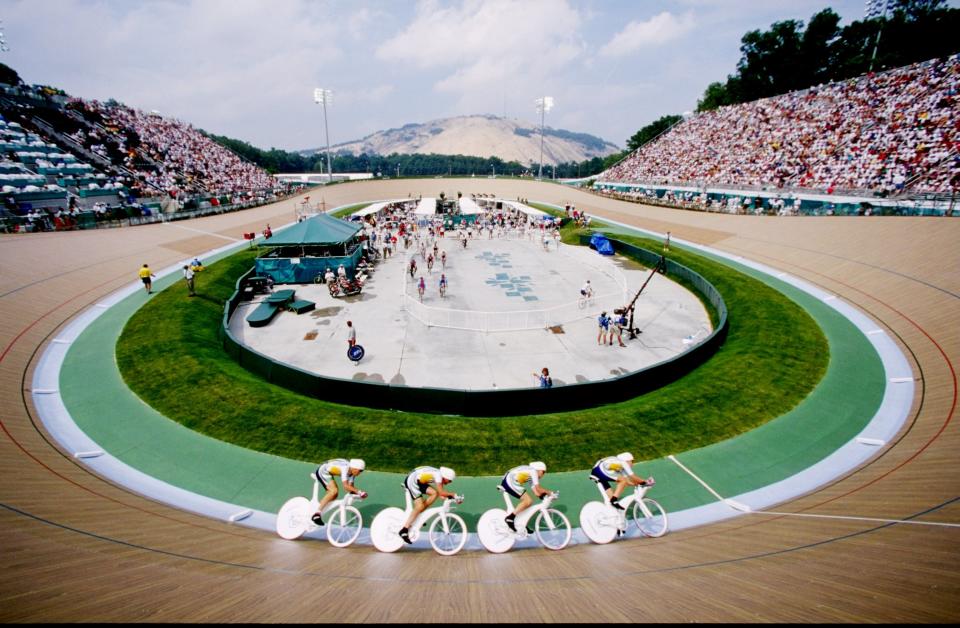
point(481, 136)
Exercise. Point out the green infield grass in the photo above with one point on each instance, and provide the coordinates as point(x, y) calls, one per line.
point(170, 355)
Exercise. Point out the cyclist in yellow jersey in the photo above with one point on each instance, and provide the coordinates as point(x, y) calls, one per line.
point(347, 470)
point(513, 483)
point(616, 469)
point(429, 480)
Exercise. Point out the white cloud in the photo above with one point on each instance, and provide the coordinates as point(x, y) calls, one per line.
point(480, 43)
point(660, 29)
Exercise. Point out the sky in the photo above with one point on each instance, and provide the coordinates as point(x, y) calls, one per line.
point(248, 68)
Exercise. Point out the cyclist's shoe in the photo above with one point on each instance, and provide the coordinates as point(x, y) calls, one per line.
point(616, 503)
point(317, 519)
point(620, 532)
point(530, 530)
point(509, 519)
point(405, 536)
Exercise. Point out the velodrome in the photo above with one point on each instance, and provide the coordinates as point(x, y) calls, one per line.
point(134, 559)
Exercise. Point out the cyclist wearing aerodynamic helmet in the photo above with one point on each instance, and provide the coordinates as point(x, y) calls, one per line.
point(514, 482)
point(617, 469)
point(326, 474)
point(429, 480)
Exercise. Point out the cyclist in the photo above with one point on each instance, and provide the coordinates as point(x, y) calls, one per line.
point(617, 469)
point(443, 284)
point(348, 470)
point(421, 287)
point(429, 480)
point(430, 262)
point(412, 268)
point(443, 259)
point(513, 483)
point(586, 290)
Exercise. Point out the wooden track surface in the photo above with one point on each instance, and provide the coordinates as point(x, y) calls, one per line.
point(74, 547)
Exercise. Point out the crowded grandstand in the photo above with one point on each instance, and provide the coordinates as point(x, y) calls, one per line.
point(67, 162)
point(877, 135)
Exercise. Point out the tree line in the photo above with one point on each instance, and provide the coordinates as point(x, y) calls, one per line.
point(277, 161)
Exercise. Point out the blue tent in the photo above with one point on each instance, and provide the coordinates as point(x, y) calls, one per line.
point(600, 242)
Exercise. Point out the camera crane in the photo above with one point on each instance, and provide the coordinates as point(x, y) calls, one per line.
point(661, 267)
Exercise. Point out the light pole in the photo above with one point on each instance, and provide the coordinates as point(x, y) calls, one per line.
point(544, 105)
point(323, 97)
point(876, 42)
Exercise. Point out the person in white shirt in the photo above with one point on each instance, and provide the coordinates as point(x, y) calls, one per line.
point(429, 480)
point(616, 469)
point(514, 482)
point(347, 471)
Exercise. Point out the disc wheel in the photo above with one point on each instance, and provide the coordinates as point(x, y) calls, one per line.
point(493, 532)
point(552, 529)
point(385, 529)
point(451, 540)
point(650, 517)
point(597, 522)
point(344, 530)
point(294, 518)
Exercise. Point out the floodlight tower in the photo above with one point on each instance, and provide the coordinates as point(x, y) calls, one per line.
point(324, 97)
point(544, 105)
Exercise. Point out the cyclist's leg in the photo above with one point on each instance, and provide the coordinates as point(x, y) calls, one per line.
point(331, 494)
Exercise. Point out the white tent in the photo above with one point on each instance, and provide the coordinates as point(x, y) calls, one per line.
point(369, 209)
point(526, 209)
point(468, 206)
point(426, 207)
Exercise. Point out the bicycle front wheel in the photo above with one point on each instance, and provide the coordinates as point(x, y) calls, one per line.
point(450, 538)
point(650, 517)
point(553, 529)
point(343, 528)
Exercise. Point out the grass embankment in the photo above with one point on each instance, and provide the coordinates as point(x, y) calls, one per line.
point(170, 355)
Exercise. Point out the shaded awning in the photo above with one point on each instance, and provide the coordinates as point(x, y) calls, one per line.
point(320, 229)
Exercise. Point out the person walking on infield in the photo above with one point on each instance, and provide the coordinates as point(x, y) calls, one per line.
point(351, 334)
point(603, 324)
point(147, 278)
point(620, 321)
point(188, 276)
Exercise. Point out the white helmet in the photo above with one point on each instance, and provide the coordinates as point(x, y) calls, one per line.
point(448, 474)
point(625, 456)
point(357, 463)
point(539, 466)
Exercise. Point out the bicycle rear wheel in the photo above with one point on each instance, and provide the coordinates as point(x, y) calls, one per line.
point(650, 516)
point(598, 522)
point(449, 539)
point(294, 518)
point(553, 529)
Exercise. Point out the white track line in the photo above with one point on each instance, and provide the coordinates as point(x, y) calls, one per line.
point(800, 514)
point(209, 233)
point(744, 508)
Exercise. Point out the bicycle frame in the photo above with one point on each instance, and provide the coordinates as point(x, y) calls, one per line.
point(337, 504)
point(424, 517)
point(527, 515)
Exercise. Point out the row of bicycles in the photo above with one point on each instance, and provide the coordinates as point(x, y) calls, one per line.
point(446, 531)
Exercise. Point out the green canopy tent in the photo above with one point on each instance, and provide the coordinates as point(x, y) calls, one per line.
point(301, 252)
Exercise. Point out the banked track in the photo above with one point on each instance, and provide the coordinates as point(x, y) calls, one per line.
point(74, 547)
